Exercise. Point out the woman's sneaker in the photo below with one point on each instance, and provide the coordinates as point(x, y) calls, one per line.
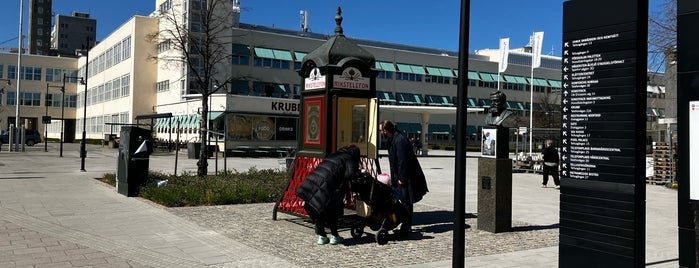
point(336, 240)
point(322, 240)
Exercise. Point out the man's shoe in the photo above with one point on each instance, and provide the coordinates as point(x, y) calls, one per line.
point(322, 240)
point(336, 240)
point(558, 187)
point(543, 186)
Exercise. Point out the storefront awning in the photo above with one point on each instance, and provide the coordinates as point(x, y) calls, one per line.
point(539, 82)
point(472, 102)
point(485, 103)
point(273, 53)
point(386, 66)
point(488, 77)
point(439, 71)
point(554, 83)
point(409, 127)
point(299, 55)
point(385, 96)
point(439, 129)
point(471, 130)
point(409, 98)
point(413, 69)
point(215, 115)
point(473, 76)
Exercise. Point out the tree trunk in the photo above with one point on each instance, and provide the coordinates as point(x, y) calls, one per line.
point(202, 164)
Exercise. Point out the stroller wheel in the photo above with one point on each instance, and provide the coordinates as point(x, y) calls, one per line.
point(357, 231)
point(382, 237)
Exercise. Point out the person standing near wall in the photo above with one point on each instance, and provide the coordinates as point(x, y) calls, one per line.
point(551, 164)
point(407, 178)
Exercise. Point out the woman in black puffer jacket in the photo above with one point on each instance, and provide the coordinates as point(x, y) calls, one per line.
point(324, 190)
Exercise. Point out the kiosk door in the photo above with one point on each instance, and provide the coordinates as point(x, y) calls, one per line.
point(357, 123)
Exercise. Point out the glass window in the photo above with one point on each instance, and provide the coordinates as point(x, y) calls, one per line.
point(126, 47)
point(125, 85)
point(30, 99)
point(11, 98)
point(12, 71)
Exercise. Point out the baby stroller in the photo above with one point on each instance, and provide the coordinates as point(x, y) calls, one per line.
point(376, 206)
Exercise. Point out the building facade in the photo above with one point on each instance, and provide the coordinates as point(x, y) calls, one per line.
point(257, 88)
point(39, 33)
point(77, 31)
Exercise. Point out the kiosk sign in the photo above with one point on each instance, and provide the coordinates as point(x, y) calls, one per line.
point(315, 80)
point(351, 78)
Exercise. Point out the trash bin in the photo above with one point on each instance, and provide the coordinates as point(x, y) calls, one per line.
point(135, 147)
point(194, 150)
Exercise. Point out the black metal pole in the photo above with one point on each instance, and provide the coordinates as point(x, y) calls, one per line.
point(63, 99)
point(46, 131)
point(83, 152)
point(461, 123)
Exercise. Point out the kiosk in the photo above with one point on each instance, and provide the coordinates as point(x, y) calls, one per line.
point(338, 108)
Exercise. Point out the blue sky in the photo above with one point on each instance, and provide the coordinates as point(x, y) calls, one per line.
point(433, 24)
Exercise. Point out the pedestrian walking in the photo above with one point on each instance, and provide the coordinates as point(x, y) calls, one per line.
point(551, 164)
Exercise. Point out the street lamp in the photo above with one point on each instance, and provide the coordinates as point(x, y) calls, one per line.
point(46, 119)
point(2, 91)
point(83, 152)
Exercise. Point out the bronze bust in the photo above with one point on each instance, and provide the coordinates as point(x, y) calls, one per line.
point(497, 111)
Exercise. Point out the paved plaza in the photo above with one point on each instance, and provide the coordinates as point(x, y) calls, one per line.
point(54, 215)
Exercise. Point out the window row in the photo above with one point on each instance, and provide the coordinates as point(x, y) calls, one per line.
point(34, 99)
point(114, 55)
point(54, 100)
point(117, 88)
point(98, 124)
point(404, 98)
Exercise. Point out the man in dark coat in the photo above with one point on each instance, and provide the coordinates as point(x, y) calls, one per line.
point(407, 177)
point(551, 164)
point(324, 190)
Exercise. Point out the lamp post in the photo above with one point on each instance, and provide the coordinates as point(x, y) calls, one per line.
point(83, 152)
point(2, 91)
point(46, 103)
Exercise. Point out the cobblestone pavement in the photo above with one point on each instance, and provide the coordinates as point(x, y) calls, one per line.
point(52, 215)
point(293, 239)
point(24, 247)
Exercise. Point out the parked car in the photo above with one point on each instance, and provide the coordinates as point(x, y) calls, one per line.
point(31, 137)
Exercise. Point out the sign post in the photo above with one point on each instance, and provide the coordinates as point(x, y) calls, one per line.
point(687, 132)
point(602, 207)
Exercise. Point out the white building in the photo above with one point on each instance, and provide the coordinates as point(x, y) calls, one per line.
point(134, 71)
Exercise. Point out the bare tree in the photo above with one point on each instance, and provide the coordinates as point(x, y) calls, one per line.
point(662, 35)
point(548, 113)
point(199, 38)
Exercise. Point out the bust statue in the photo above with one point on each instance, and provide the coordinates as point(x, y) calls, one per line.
point(497, 111)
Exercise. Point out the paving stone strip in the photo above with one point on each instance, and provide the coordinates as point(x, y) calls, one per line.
point(292, 238)
point(139, 255)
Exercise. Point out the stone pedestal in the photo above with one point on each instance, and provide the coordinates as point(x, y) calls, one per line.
point(494, 194)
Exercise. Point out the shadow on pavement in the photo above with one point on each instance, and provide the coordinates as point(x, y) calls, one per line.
point(534, 227)
point(440, 221)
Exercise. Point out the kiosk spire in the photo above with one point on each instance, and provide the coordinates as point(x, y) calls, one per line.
point(338, 22)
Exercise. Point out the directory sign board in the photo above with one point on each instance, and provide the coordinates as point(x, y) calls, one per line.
point(599, 104)
point(603, 104)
